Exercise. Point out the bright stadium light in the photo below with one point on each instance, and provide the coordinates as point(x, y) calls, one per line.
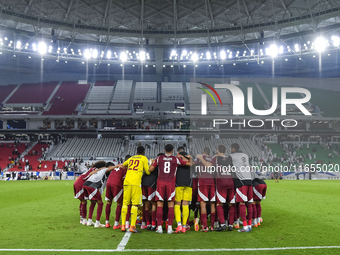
point(173, 52)
point(281, 49)
point(272, 51)
point(320, 44)
point(335, 40)
point(87, 54)
point(108, 54)
point(208, 55)
point(194, 57)
point(42, 48)
point(34, 47)
point(142, 55)
point(123, 56)
point(223, 54)
point(94, 53)
point(184, 52)
point(296, 47)
point(18, 46)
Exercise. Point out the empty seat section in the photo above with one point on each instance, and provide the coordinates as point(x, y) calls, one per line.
point(67, 98)
point(5, 91)
point(145, 91)
point(34, 93)
point(172, 91)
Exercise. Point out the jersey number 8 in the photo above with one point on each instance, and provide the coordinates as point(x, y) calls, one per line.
point(166, 167)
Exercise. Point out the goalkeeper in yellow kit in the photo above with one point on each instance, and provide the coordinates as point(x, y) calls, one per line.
point(132, 186)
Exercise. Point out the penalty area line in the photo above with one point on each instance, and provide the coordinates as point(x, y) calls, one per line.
point(121, 248)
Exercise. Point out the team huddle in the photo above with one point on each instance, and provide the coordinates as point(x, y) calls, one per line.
point(169, 187)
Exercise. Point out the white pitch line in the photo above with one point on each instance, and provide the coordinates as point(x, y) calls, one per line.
point(173, 250)
point(123, 243)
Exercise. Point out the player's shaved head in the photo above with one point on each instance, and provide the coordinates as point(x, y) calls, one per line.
point(169, 148)
point(206, 151)
point(127, 157)
point(180, 149)
point(235, 146)
point(160, 154)
point(99, 164)
point(140, 150)
point(221, 148)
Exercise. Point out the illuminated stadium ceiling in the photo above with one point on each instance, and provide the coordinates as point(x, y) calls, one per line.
point(168, 23)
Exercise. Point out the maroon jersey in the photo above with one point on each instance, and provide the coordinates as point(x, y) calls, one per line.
point(223, 173)
point(82, 178)
point(205, 177)
point(116, 177)
point(167, 169)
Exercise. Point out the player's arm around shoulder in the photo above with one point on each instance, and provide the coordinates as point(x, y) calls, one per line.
point(152, 166)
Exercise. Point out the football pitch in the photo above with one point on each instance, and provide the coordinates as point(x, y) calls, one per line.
point(42, 217)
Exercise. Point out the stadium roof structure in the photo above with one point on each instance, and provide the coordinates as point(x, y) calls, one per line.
point(168, 23)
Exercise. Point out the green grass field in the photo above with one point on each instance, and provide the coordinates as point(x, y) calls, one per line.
point(44, 215)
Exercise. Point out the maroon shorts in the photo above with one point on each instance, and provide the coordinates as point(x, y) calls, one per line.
point(114, 193)
point(224, 195)
point(165, 192)
point(244, 194)
point(260, 191)
point(149, 193)
point(78, 192)
point(92, 193)
point(206, 193)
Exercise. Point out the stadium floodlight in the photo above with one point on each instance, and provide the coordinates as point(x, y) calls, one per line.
point(320, 44)
point(123, 56)
point(18, 46)
point(173, 52)
point(208, 55)
point(87, 54)
point(223, 55)
point(34, 47)
point(230, 54)
point(336, 41)
point(42, 48)
point(194, 57)
point(272, 51)
point(94, 53)
point(142, 55)
point(296, 47)
point(281, 49)
point(108, 54)
point(184, 52)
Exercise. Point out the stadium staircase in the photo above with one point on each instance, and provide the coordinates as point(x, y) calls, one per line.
point(186, 96)
point(11, 94)
point(132, 95)
point(159, 92)
point(24, 153)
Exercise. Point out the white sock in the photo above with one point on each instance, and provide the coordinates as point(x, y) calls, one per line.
point(116, 223)
point(179, 224)
point(107, 222)
point(258, 219)
point(127, 223)
point(143, 223)
point(97, 222)
point(169, 228)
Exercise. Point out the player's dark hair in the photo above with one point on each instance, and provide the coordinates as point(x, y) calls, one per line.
point(160, 154)
point(127, 157)
point(109, 164)
point(140, 150)
point(235, 146)
point(99, 164)
point(169, 148)
point(221, 148)
point(206, 150)
point(180, 149)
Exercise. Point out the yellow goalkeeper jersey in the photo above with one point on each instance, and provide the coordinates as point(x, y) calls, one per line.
point(136, 165)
